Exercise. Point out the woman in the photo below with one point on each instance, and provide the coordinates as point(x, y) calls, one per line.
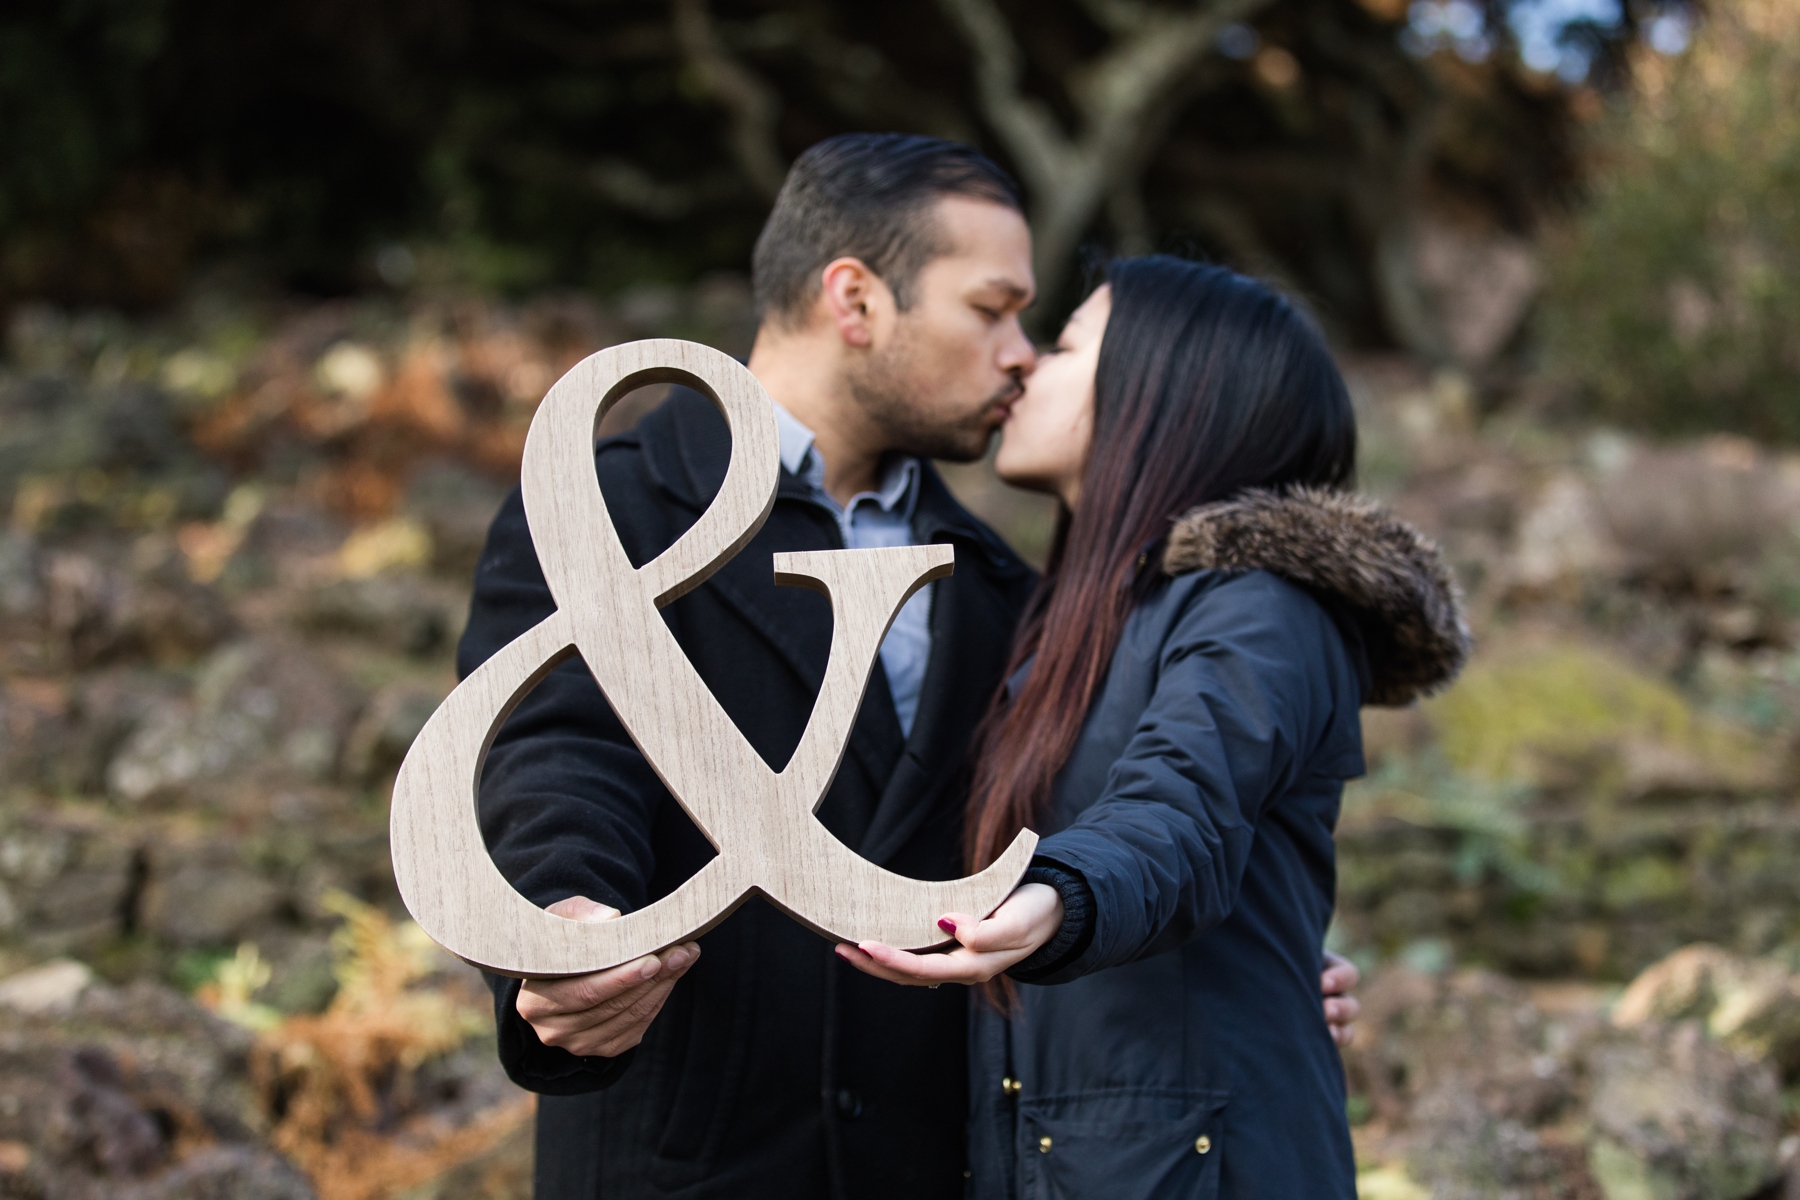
point(1181, 714)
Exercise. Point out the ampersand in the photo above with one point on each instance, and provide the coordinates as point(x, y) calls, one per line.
point(759, 819)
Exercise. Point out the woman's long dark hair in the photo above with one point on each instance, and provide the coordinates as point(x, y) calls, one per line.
point(1208, 383)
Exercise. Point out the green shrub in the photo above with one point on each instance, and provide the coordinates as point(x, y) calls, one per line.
point(1674, 302)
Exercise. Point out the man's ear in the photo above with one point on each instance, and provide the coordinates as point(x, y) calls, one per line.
point(858, 302)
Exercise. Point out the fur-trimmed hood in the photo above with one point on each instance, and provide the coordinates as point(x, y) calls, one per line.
point(1391, 577)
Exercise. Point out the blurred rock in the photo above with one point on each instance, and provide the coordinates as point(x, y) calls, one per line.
point(1677, 1115)
point(137, 1093)
point(49, 988)
point(1469, 1151)
point(1751, 1004)
point(72, 878)
point(502, 1173)
point(104, 610)
point(176, 748)
point(34, 728)
point(225, 1173)
point(400, 611)
point(387, 727)
point(1481, 283)
point(1563, 535)
point(1489, 1093)
point(1683, 516)
point(456, 505)
point(398, 543)
point(207, 895)
point(263, 703)
point(21, 580)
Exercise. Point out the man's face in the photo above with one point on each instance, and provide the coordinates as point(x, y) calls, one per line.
point(941, 382)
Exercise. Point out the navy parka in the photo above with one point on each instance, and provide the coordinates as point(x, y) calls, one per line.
point(1179, 1049)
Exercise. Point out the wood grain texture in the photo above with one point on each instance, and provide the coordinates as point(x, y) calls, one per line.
point(760, 820)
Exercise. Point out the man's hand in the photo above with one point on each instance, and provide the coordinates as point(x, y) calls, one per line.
point(1341, 1008)
point(604, 1013)
point(1028, 918)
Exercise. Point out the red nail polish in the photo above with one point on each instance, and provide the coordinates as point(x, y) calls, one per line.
point(946, 924)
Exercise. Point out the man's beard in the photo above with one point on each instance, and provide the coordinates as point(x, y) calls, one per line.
point(894, 396)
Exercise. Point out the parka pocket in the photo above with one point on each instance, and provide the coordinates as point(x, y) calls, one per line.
point(1122, 1144)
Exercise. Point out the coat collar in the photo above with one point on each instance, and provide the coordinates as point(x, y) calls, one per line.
point(1390, 577)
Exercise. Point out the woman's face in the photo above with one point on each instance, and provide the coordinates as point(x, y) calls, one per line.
point(1044, 442)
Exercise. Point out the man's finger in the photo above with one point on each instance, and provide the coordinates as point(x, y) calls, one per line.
point(552, 997)
point(580, 908)
point(1340, 975)
point(548, 997)
point(669, 965)
point(1341, 1010)
point(620, 1023)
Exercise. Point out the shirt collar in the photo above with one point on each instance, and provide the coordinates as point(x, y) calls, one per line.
point(897, 490)
point(796, 442)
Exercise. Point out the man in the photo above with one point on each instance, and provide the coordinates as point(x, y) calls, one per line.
point(889, 282)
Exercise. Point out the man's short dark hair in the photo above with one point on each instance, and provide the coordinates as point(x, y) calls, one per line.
point(867, 196)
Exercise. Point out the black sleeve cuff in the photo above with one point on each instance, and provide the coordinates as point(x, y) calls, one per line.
point(540, 1068)
point(1071, 941)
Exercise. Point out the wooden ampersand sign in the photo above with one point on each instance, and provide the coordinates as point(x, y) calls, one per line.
point(760, 820)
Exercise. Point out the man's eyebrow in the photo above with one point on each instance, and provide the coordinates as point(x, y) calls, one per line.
point(1013, 291)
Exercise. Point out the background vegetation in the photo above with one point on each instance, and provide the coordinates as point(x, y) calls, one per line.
point(282, 286)
point(1676, 304)
point(605, 142)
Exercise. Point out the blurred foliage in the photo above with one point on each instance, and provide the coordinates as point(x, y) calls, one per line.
point(1529, 715)
point(1675, 304)
point(339, 147)
point(1504, 711)
point(342, 1082)
point(231, 990)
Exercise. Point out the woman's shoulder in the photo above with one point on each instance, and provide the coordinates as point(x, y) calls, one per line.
point(1264, 619)
point(1303, 556)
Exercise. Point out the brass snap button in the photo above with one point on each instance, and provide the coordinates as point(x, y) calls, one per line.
point(1011, 1087)
point(1202, 1143)
point(1044, 1145)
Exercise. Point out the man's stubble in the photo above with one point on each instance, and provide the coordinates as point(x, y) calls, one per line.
point(904, 400)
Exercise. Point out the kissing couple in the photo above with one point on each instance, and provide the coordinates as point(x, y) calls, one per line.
point(1173, 705)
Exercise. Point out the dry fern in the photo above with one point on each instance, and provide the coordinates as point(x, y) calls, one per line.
point(341, 1083)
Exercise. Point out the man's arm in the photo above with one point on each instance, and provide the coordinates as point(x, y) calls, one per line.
point(566, 807)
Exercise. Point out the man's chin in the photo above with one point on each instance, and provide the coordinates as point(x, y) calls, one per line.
point(960, 446)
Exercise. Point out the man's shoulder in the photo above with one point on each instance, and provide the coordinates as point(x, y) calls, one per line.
point(680, 449)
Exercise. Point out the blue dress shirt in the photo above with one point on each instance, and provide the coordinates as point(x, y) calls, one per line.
point(882, 517)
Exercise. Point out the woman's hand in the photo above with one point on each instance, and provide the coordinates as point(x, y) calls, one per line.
point(1024, 921)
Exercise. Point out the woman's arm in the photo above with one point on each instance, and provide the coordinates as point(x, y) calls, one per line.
point(1249, 682)
point(1252, 680)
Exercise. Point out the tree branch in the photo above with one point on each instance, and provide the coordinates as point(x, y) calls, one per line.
point(751, 105)
point(1124, 103)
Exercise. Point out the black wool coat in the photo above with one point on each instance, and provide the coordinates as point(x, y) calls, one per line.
point(775, 1070)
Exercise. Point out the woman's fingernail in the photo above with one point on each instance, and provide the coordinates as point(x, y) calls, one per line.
point(946, 924)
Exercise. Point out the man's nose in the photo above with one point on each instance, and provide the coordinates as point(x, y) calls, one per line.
point(1018, 357)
